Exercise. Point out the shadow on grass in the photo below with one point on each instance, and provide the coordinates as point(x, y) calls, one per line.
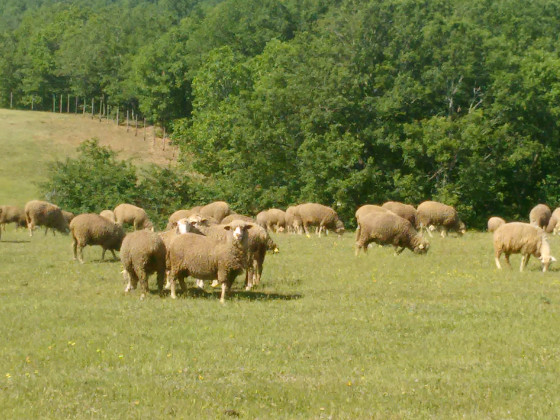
point(195, 292)
point(14, 242)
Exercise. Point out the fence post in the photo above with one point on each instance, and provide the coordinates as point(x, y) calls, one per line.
point(100, 109)
point(117, 116)
point(11, 99)
point(144, 129)
point(92, 107)
point(107, 113)
point(136, 126)
point(32, 102)
point(68, 105)
point(163, 138)
point(60, 105)
point(127, 120)
point(54, 103)
point(84, 108)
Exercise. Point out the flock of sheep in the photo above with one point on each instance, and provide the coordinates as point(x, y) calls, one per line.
point(213, 243)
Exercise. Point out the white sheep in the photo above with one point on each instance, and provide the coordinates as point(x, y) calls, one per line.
point(540, 216)
point(524, 239)
point(494, 223)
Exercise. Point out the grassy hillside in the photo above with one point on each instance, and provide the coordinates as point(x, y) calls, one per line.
point(28, 140)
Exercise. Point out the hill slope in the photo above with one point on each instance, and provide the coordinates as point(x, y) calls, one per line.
point(29, 140)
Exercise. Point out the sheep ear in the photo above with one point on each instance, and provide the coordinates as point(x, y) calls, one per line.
point(552, 259)
point(227, 227)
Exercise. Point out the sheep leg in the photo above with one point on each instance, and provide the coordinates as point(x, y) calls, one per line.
point(249, 277)
point(128, 278)
point(167, 281)
point(160, 279)
point(305, 228)
point(258, 268)
point(200, 284)
point(358, 232)
point(181, 279)
point(74, 247)
point(172, 285)
point(507, 260)
point(443, 232)
point(143, 279)
point(397, 250)
point(114, 256)
point(80, 253)
point(524, 261)
point(103, 254)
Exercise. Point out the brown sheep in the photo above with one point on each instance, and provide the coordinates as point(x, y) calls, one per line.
point(540, 216)
point(109, 215)
point(522, 238)
point(218, 210)
point(42, 213)
point(390, 229)
point(11, 214)
point(234, 216)
point(494, 223)
point(272, 219)
point(293, 220)
point(136, 216)
point(206, 258)
point(143, 253)
point(553, 224)
point(92, 229)
point(323, 217)
point(363, 211)
point(406, 211)
point(439, 215)
point(179, 214)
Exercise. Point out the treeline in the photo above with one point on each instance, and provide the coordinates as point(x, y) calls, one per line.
point(341, 102)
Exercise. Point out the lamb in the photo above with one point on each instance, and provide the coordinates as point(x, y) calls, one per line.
point(93, 229)
point(127, 213)
point(218, 210)
point(11, 214)
point(389, 229)
point(234, 216)
point(494, 223)
point(323, 217)
point(440, 216)
point(554, 222)
point(522, 238)
point(293, 220)
point(42, 213)
point(143, 253)
point(406, 211)
point(272, 219)
point(207, 258)
point(109, 215)
point(540, 216)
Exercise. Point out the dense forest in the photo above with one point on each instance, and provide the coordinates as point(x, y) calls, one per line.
point(337, 101)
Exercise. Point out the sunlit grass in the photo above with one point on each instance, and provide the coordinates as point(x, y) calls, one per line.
point(327, 334)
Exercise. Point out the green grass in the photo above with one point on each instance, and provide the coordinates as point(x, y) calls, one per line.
point(327, 334)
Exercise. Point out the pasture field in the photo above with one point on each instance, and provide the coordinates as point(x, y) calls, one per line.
point(326, 335)
point(28, 140)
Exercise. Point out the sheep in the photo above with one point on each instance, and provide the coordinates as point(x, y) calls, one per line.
point(42, 213)
point(389, 229)
point(522, 238)
point(323, 217)
point(259, 241)
point(109, 215)
point(218, 210)
point(494, 223)
point(440, 216)
point(406, 211)
point(143, 253)
point(11, 214)
point(364, 210)
point(207, 258)
point(234, 216)
point(68, 216)
point(554, 222)
point(293, 220)
point(272, 219)
point(93, 229)
point(540, 216)
point(179, 214)
point(127, 213)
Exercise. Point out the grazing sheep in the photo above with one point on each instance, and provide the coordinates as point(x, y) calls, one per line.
point(441, 216)
point(524, 239)
point(293, 220)
point(218, 210)
point(272, 219)
point(127, 213)
point(42, 213)
point(206, 258)
point(406, 211)
point(11, 214)
point(494, 223)
point(323, 217)
point(109, 215)
point(143, 253)
point(540, 216)
point(234, 216)
point(365, 210)
point(390, 229)
point(92, 229)
point(68, 216)
point(553, 224)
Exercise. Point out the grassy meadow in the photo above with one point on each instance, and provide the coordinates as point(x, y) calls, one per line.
point(326, 335)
